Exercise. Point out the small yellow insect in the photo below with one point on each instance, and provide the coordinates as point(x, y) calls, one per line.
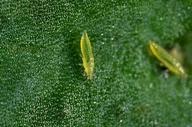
point(87, 55)
point(166, 59)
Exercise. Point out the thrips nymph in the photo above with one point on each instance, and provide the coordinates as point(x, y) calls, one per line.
point(87, 55)
point(166, 59)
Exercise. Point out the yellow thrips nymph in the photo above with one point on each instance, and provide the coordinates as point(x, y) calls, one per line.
point(87, 55)
point(166, 59)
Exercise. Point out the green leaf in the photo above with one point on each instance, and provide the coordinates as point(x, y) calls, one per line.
point(42, 84)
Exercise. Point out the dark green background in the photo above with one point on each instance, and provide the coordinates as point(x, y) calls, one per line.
point(42, 82)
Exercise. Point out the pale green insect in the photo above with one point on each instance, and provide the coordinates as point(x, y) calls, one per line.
point(87, 55)
point(166, 59)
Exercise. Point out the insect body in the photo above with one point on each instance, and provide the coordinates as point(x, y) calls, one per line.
point(166, 59)
point(87, 55)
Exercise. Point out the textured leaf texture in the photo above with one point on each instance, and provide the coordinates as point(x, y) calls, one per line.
point(43, 84)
